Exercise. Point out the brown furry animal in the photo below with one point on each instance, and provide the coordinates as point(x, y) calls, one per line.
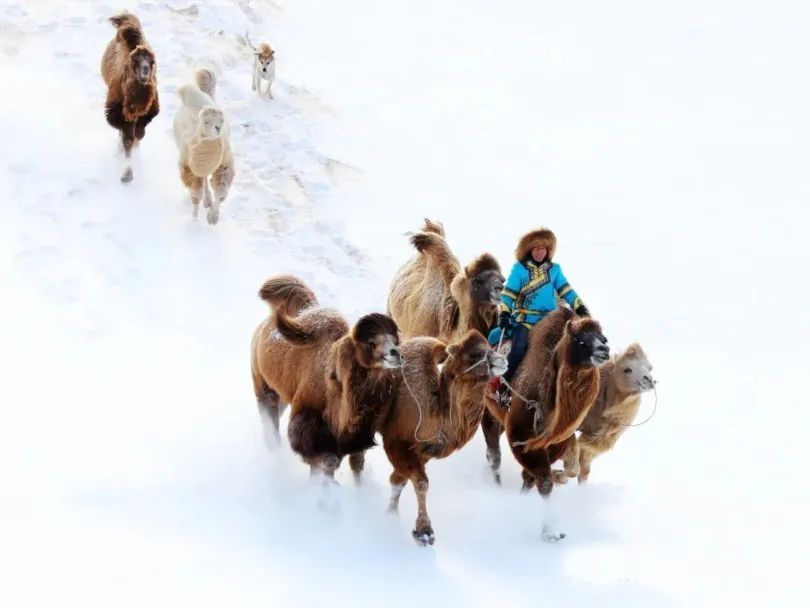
point(431, 295)
point(435, 412)
point(338, 383)
point(622, 382)
point(128, 69)
point(559, 376)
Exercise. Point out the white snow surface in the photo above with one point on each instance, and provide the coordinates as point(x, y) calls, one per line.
point(665, 143)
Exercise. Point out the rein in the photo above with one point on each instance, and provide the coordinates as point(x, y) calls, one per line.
point(655, 407)
point(440, 435)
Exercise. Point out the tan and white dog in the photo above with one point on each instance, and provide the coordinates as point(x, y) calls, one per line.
point(264, 66)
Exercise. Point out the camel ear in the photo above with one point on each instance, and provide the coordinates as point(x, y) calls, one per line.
point(439, 352)
point(569, 329)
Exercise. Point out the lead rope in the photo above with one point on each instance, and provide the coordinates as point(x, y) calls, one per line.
point(655, 407)
point(440, 434)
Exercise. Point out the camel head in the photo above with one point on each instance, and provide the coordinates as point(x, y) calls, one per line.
point(587, 345)
point(472, 356)
point(376, 342)
point(211, 122)
point(142, 63)
point(485, 280)
point(632, 371)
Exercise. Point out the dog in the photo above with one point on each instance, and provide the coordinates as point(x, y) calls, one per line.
point(264, 66)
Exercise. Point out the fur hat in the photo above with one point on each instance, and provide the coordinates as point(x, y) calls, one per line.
point(542, 237)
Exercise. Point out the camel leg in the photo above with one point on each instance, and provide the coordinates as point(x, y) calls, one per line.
point(357, 460)
point(255, 81)
point(536, 466)
point(221, 181)
point(127, 140)
point(271, 408)
point(398, 482)
point(492, 433)
point(586, 456)
point(570, 458)
point(408, 466)
point(211, 203)
point(194, 185)
point(310, 438)
point(423, 531)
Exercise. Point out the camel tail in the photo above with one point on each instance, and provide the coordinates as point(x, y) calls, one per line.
point(287, 294)
point(129, 29)
point(207, 81)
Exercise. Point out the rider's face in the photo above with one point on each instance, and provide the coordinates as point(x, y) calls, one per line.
point(539, 254)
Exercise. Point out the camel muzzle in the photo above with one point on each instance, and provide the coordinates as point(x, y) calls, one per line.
point(393, 360)
point(647, 383)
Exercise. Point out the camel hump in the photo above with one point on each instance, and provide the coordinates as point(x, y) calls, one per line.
point(434, 227)
point(207, 81)
point(129, 29)
point(287, 293)
point(429, 242)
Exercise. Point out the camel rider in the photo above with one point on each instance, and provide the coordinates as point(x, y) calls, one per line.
point(531, 292)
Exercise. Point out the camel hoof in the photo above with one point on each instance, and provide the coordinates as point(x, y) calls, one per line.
point(497, 476)
point(424, 537)
point(560, 477)
point(213, 216)
point(550, 536)
point(126, 176)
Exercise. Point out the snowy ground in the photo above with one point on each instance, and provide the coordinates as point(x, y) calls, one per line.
point(664, 142)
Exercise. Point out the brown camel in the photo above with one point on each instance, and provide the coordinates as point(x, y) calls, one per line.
point(436, 412)
point(339, 384)
point(431, 295)
point(128, 69)
point(622, 382)
point(555, 386)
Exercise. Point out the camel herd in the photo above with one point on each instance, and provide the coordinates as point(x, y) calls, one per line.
point(419, 377)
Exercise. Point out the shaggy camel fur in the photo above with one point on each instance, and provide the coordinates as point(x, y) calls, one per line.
point(333, 379)
point(560, 377)
point(622, 382)
point(128, 69)
point(431, 295)
point(202, 138)
point(435, 412)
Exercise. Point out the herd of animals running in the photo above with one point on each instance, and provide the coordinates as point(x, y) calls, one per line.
point(200, 127)
point(420, 375)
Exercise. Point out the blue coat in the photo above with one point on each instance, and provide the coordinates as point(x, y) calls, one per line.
point(531, 293)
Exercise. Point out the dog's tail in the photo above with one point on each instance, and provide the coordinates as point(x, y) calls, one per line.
point(207, 81)
point(129, 29)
